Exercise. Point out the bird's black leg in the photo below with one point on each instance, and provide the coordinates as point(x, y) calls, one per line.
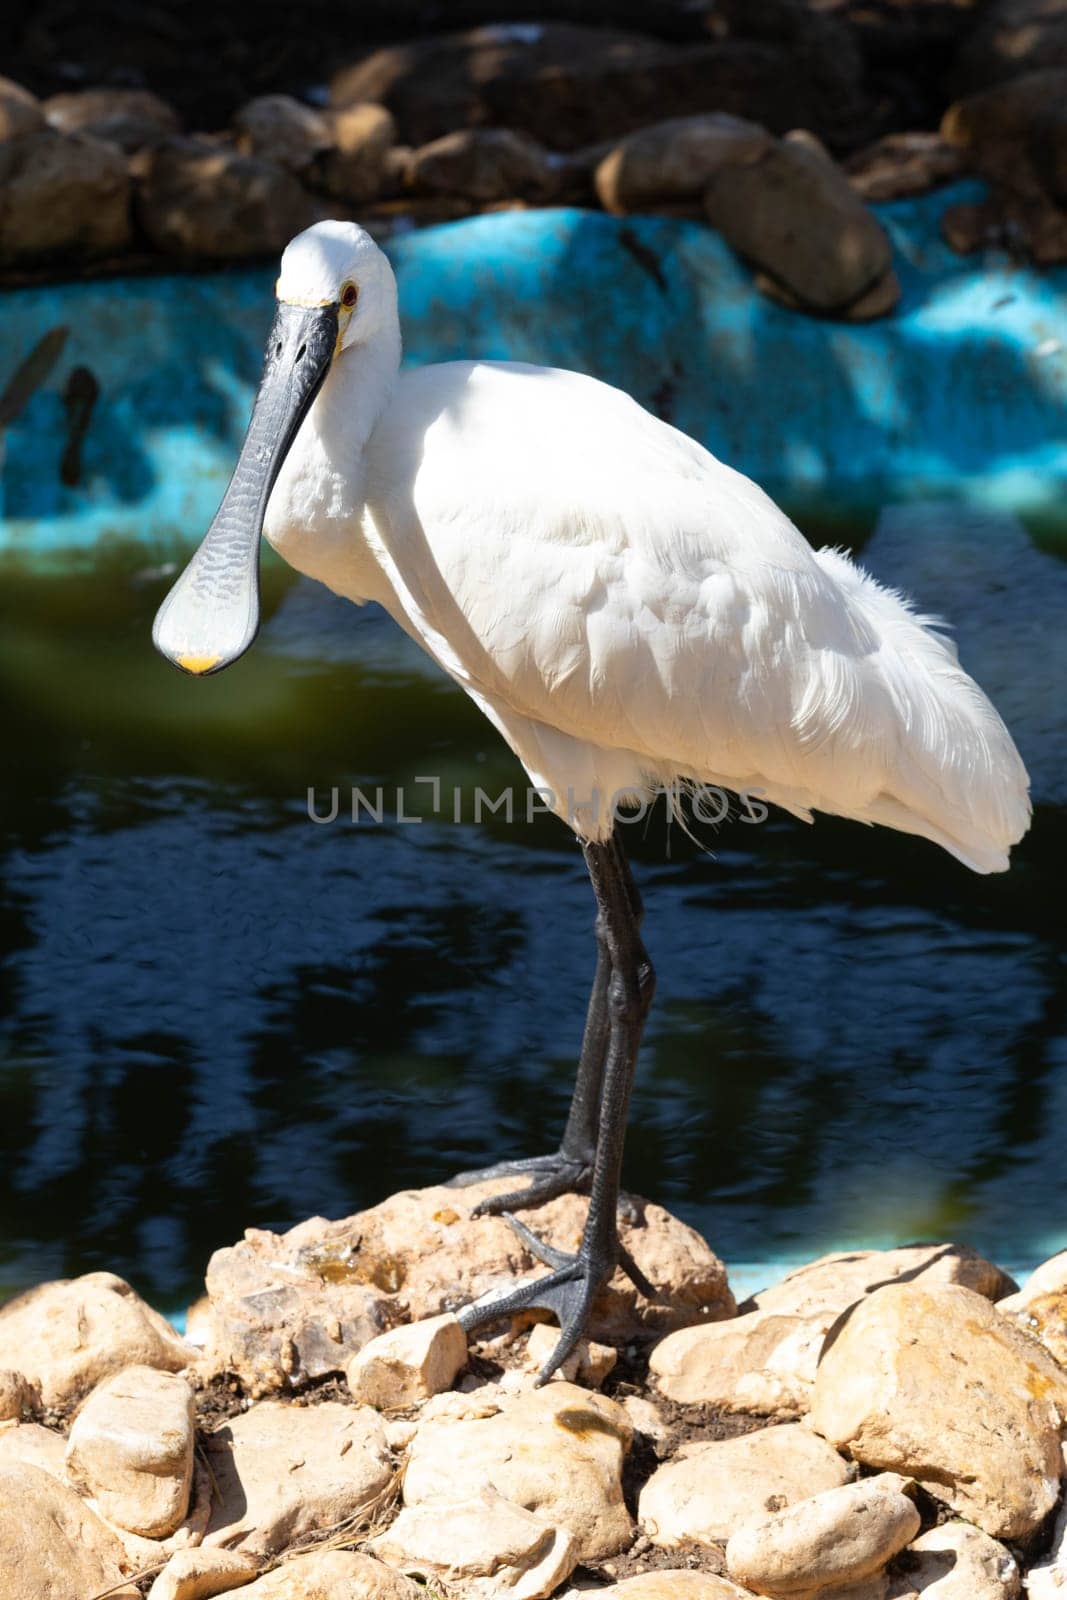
point(571, 1288)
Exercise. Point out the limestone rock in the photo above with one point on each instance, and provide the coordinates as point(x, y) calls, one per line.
point(134, 119)
point(20, 111)
point(1040, 1306)
point(200, 200)
point(902, 164)
point(588, 1364)
point(841, 1536)
point(483, 164)
point(355, 168)
point(31, 1445)
point(676, 160)
point(64, 1337)
point(52, 1547)
point(14, 1395)
point(146, 1554)
point(61, 199)
point(289, 1307)
point(677, 1584)
point(557, 1451)
point(408, 1363)
point(131, 1450)
point(285, 1471)
point(488, 1544)
point(957, 1562)
point(794, 213)
point(707, 1490)
point(282, 130)
point(765, 1360)
point(333, 1575)
point(201, 1574)
point(1048, 1580)
point(933, 1382)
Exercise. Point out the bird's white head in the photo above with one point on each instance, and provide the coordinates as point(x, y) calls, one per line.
point(338, 264)
point(336, 292)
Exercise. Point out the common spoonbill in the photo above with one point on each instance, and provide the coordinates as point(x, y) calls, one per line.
point(627, 611)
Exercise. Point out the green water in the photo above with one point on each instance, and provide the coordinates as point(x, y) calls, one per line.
point(218, 1014)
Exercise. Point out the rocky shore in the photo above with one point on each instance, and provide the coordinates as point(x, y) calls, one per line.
point(879, 1425)
point(776, 125)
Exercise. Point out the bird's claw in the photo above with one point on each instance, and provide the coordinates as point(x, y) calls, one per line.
point(548, 1177)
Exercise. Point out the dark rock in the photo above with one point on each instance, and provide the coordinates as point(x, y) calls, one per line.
point(794, 214)
point(20, 112)
point(1012, 38)
point(357, 167)
point(902, 164)
point(570, 86)
point(484, 164)
point(282, 130)
point(61, 199)
point(676, 160)
point(200, 201)
point(131, 118)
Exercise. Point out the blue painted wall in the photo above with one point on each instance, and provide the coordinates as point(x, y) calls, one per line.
point(961, 393)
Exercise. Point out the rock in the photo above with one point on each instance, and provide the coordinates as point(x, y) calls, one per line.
point(15, 1395)
point(200, 1574)
point(557, 1451)
point(61, 199)
point(356, 169)
point(333, 1575)
point(1040, 1306)
point(143, 1554)
point(205, 201)
point(707, 1490)
point(286, 1308)
point(131, 1450)
point(52, 1547)
point(483, 164)
point(589, 1364)
point(956, 1562)
point(31, 1445)
point(286, 1471)
point(764, 1360)
point(1048, 1581)
point(65, 1337)
point(841, 1536)
point(282, 130)
point(488, 1544)
point(570, 85)
point(646, 1418)
point(902, 164)
point(408, 1363)
point(1012, 37)
point(134, 119)
point(933, 1382)
point(20, 111)
point(676, 160)
point(669, 1585)
point(794, 213)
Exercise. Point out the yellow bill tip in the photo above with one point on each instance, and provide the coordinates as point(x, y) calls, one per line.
point(198, 664)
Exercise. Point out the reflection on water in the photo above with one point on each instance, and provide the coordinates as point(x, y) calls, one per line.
point(219, 1014)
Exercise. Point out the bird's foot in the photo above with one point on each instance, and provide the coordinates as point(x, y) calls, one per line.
point(568, 1291)
point(546, 1177)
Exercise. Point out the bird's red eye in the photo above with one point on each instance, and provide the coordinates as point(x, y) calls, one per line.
point(349, 296)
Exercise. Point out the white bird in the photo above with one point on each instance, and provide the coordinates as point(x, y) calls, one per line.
point(629, 613)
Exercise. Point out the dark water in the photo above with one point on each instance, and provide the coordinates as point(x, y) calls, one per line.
point(216, 1013)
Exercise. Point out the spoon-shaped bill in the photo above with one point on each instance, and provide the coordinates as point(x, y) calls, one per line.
point(211, 615)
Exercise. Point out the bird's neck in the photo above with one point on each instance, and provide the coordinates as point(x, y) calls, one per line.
point(320, 489)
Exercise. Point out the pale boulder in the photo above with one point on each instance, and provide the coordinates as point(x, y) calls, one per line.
point(677, 1584)
point(65, 199)
point(841, 1536)
point(146, 1554)
point(30, 1445)
point(933, 1382)
point(131, 1450)
point(52, 1547)
point(64, 1337)
point(408, 1363)
point(557, 1451)
point(707, 1490)
point(483, 164)
point(957, 1562)
point(286, 1471)
point(488, 1545)
point(283, 130)
point(675, 160)
point(1040, 1306)
point(355, 168)
point(201, 1574)
point(588, 1364)
point(333, 1575)
point(765, 1360)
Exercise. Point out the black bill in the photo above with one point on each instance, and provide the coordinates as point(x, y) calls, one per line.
point(211, 615)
